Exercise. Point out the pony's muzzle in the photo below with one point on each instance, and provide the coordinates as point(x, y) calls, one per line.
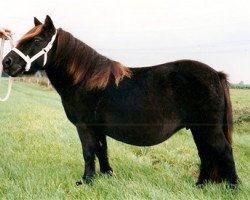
point(7, 63)
point(10, 68)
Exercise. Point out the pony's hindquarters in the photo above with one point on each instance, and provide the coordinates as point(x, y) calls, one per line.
point(203, 98)
point(213, 136)
point(217, 163)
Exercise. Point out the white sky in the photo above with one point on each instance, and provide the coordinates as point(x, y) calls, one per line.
point(148, 32)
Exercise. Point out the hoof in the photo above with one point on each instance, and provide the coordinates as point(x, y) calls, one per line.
point(199, 185)
point(78, 183)
point(232, 183)
point(88, 180)
point(231, 186)
point(108, 173)
point(107, 170)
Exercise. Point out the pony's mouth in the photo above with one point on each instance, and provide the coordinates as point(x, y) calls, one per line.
point(15, 70)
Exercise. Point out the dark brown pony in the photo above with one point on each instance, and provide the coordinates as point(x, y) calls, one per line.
point(138, 106)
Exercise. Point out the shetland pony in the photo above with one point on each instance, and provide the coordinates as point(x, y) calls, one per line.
point(138, 106)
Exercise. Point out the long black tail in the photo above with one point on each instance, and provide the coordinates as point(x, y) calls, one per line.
point(228, 116)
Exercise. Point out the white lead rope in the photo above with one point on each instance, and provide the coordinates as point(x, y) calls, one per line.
point(1, 69)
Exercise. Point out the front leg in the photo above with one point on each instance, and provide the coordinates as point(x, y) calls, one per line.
point(101, 152)
point(89, 141)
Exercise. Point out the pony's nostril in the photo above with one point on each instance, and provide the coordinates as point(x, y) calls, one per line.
point(7, 62)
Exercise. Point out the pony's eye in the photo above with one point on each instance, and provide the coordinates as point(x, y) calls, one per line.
point(37, 40)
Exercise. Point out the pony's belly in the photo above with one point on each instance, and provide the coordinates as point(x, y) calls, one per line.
point(140, 135)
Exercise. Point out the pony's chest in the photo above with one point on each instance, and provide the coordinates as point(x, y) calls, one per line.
point(78, 112)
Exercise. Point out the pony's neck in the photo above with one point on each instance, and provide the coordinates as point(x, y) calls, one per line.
point(75, 63)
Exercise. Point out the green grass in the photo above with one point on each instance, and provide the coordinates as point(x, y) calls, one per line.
point(41, 156)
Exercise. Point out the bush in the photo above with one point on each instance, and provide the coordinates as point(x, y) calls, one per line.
point(239, 86)
point(42, 81)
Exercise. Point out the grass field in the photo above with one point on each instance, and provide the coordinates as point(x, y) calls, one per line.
point(40, 156)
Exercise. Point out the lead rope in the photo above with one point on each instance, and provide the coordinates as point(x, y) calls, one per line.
point(1, 69)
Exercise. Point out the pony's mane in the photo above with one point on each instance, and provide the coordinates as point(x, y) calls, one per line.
point(85, 64)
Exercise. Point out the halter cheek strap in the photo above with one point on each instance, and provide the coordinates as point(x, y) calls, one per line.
point(44, 52)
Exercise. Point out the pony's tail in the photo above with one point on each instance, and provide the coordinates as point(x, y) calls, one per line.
point(228, 116)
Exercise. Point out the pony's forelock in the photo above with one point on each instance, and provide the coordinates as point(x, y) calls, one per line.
point(30, 34)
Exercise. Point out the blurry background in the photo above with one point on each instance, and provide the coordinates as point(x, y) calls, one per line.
point(146, 32)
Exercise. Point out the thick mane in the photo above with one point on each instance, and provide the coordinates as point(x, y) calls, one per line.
point(85, 64)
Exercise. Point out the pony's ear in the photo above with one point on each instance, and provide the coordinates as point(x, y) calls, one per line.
point(37, 22)
point(48, 24)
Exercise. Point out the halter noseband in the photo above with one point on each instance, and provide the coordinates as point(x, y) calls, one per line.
point(44, 52)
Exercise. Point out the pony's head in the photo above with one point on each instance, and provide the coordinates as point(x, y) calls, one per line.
point(32, 50)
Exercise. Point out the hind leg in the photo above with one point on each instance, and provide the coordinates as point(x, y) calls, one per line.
point(217, 163)
point(102, 155)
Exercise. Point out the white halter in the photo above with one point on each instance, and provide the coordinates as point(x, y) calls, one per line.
point(44, 52)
